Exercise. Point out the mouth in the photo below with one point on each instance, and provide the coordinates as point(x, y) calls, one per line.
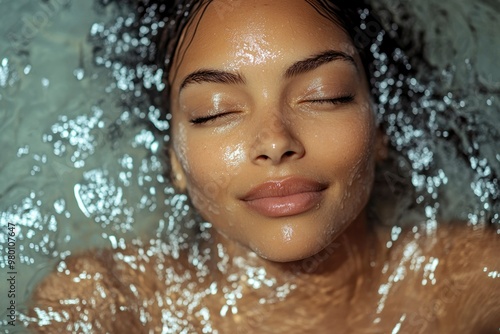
point(289, 197)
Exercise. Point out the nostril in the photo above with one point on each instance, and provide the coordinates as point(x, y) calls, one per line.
point(277, 158)
point(285, 155)
point(279, 148)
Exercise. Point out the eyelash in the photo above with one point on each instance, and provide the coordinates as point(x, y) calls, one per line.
point(335, 101)
point(207, 119)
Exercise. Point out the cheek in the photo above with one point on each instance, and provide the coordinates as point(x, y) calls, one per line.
point(359, 164)
point(212, 162)
point(361, 144)
point(347, 146)
point(348, 153)
point(234, 156)
point(181, 146)
point(209, 169)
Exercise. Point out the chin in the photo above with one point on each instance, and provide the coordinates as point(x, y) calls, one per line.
point(294, 250)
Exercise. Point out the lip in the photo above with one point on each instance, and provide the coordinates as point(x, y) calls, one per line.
point(283, 198)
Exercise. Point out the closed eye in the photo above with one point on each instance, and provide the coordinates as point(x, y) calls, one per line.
point(337, 100)
point(334, 101)
point(208, 119)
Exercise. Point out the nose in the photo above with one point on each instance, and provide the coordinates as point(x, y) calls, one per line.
point(275, 143)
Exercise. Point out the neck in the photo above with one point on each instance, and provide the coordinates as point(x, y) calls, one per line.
point(345, 258)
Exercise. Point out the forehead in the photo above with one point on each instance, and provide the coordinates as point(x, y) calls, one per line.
point(230, 33)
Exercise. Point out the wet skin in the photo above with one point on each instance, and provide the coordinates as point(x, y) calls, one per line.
point(275, 142)
point(340, 293)
point(274, 98)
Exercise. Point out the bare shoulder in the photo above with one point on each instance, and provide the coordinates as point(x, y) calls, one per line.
point(130, 290)
point(449, 278)
point(471, 261)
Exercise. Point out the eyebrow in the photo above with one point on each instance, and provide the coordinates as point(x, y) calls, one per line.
point(214, 76)
point(299, 67)
point(316, 61)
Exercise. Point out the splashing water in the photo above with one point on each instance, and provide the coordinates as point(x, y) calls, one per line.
point(82, 159)
point(79, 169)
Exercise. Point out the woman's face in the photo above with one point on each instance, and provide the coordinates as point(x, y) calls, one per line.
point(272, 128)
